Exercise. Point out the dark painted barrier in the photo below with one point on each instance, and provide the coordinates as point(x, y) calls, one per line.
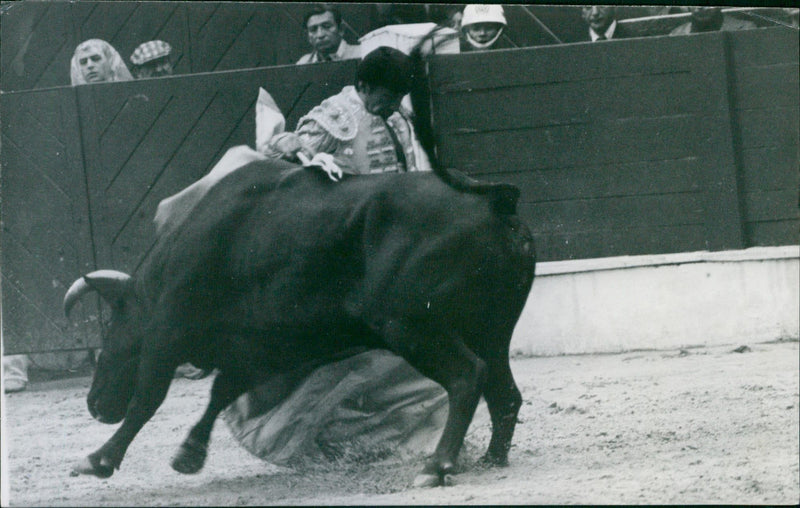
point(631, 147)
point(659, 144)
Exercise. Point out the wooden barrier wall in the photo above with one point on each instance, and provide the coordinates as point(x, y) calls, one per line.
point(83, 169)
point(659, 144)
point(631, 147)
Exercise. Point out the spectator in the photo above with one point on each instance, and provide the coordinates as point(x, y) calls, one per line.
point(448, 15)
point(602, 23)
point(711, 19)
point(152, 59)
point(363, 126)
point(15, 373)
point(96, 61)
point(323, 25)
point(481, 28)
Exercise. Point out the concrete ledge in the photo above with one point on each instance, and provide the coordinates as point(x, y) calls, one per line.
point(663, 301)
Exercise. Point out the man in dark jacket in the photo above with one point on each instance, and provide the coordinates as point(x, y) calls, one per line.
point(602, 23)
point(711, 19)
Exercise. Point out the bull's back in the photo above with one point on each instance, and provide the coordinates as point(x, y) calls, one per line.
point(275, 245)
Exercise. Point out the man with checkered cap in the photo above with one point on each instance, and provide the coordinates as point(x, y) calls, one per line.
point(151, 59)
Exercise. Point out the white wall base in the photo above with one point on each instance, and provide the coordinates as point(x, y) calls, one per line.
point(664, 301)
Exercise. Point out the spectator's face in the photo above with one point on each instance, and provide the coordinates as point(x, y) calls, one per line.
point(154, 69)
point(324, 34)
point(483, 32)
point(379, 100)
point(94, 65)
point(704, 14)
point(598, 17)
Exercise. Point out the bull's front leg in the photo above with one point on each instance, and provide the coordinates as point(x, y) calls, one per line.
point(154, 377)
point(191, 455)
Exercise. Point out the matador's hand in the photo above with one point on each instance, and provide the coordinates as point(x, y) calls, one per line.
point(289, 144)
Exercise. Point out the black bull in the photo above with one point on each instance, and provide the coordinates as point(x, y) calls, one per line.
point(278, 266)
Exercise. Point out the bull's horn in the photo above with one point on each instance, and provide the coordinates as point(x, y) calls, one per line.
point(109, 283)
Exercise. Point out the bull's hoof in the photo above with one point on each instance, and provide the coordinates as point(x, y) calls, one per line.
point(425, 481)
point(191, 457)
point(494, 461)
point(436, 475)
point(99, 468)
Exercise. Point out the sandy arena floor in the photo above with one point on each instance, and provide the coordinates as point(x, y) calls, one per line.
point(703, 425)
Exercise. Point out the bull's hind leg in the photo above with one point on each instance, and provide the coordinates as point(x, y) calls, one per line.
point(191, 456)
point(445, 359)
point(504, 400)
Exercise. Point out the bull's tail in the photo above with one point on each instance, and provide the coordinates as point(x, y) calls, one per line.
point(503, 197)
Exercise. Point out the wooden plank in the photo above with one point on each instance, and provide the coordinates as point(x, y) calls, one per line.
point(779, 232)
point(580, 215)
point(631, 241)
point(662, 95)
point(771, 205)
point(606, 181)
point(769, 128)
point(770, 168)
point(601, 143)
point(767, 87)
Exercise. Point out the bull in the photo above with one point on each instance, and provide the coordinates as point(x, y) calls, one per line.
point(278, 266)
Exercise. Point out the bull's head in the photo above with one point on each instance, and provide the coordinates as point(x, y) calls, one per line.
point(115, 377)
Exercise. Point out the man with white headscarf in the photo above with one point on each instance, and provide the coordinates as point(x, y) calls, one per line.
point(96, 61)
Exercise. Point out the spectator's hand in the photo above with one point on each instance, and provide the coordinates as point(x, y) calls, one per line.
point(289, 145)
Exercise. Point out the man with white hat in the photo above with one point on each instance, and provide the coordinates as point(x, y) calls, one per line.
point(481, 27)
point(151, 59)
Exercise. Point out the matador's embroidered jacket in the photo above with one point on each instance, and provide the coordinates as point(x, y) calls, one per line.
point(359, 140)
